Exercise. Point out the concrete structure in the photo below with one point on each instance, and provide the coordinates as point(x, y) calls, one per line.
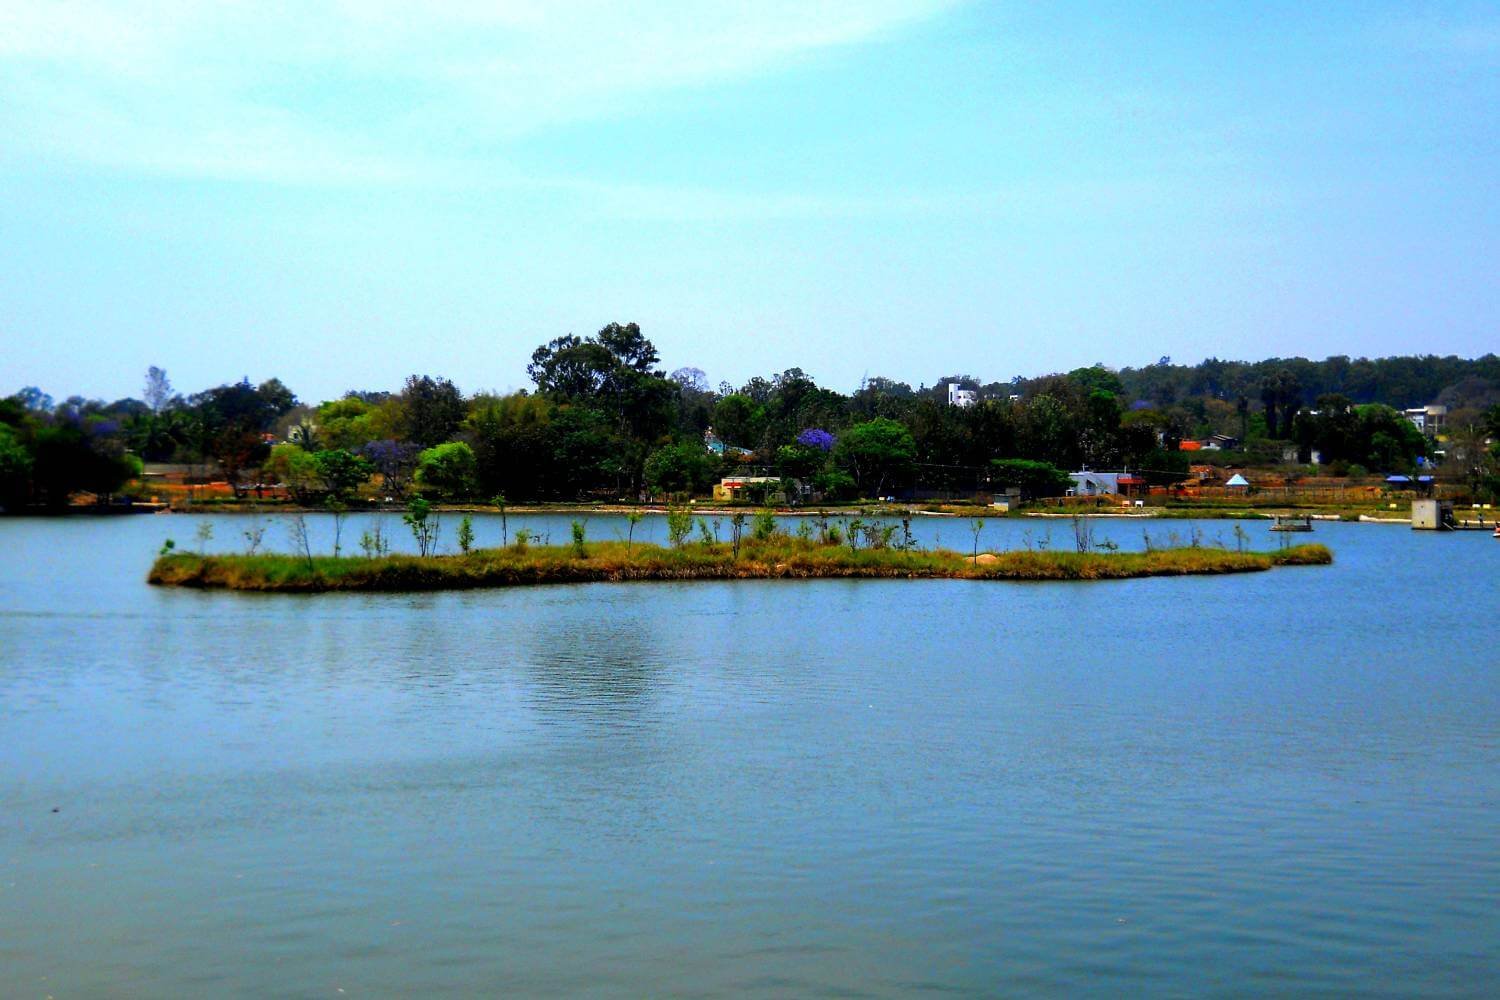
point(1429, 419)
point(961, 397)
point(1098, 484)
point(750, 487)
point(1431, 515)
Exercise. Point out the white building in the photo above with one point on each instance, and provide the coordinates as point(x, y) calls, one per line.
point(958, 396)
point(1428, 419)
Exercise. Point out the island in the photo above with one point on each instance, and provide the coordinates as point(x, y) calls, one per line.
point(621, 562)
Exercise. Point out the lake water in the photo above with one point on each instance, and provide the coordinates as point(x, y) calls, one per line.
point(1277, 783)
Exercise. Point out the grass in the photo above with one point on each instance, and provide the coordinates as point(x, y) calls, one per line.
point(781, 558)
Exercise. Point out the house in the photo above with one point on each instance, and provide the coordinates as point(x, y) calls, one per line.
point(718, 446)
point(961, 397)
point(1098, 484)
point(756, 488)
point(1429, 419)
point(1094, 484)
point(1221, 442)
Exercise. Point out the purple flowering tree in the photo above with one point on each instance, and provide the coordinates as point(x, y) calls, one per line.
point(816, 437)
point(394, 460)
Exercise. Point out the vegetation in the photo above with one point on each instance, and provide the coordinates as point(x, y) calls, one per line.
point(604, 421)
point(780, 557)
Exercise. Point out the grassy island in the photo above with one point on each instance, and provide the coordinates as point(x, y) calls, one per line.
point(618, 562)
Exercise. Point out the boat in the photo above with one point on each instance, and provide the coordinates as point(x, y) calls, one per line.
point(1292, 522)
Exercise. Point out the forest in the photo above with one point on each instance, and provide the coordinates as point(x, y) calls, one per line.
point(604, 420)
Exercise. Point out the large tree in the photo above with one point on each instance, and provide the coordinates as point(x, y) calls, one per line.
point(432, 410)
point(875, 452)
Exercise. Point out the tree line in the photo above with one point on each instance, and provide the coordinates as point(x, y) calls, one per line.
point(605, 420)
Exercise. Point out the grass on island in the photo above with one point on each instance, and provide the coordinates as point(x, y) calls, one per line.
point(780, 558)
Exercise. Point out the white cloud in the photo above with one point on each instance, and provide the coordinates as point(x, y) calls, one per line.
point(373, 89)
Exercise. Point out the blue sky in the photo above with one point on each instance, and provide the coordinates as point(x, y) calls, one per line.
point(342, 194)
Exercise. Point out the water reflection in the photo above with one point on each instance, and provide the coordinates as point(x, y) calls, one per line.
point(596, 662)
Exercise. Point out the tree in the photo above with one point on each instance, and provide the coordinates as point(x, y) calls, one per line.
point(1281, 393)
point(739, 420)
point(292, 466)
point(15, 470)
point(229, 422)
point(276, 395)
point(158, 389)
point(799, 461)
point(449, 469)
point(419, 517)
point(694, 379)
point(1033, 479)
point(876, 451)
point(629, 346)
point(685, 467)
point(342, 472)
point(1097, 379)
point(66, 460)
point(394, 461)
point(434, 409)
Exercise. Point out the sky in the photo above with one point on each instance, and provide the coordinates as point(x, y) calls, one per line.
point(342, 194)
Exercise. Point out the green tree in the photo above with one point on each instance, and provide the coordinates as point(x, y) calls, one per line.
point(875, 452)
point(290, 465)
point(15, 470)
point(1032, 478)
point(433, 410)
point(423, 522)
point(342, 472)
point(798, 461)
point(739, 420)
point(448, 469)
point(686, 467)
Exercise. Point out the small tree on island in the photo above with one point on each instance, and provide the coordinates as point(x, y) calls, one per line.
point(499, 501)
point(632, 518)
point(339, 510)
point(465, 534)
point(423, 524)
point(736, 531)
point(679, 524)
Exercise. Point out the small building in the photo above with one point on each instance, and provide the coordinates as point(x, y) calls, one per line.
point(1098, 484)
point(1429, 419)
point(1221, 442)
point(1237, 482)
point(1432, 515)
point(755, 488)
point(719, 446)
point(961, 397)
point(1095, 484)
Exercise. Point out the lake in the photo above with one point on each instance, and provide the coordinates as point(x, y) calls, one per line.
point(1276, 783)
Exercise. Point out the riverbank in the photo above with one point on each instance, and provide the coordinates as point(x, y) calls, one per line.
point(618, 562)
